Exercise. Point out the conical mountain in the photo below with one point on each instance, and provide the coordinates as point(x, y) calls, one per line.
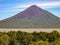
point(32, 17)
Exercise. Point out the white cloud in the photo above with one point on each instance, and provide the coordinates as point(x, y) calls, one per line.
point(49, 4)
point(43, 5)
point(20, 7)
point(11, 10)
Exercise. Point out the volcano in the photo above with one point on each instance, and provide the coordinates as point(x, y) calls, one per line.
point(32, 17)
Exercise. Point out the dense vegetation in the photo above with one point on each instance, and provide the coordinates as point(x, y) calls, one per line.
point(24, 38)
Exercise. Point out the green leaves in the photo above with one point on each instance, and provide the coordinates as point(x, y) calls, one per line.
point(24, 38)
point(4, 40)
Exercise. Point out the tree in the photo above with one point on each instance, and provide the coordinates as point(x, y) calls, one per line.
point(41, 43)
point(53, 36)
point(42, 36)
point(4, 40)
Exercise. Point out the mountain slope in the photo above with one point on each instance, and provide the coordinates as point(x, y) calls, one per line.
point(32, 17)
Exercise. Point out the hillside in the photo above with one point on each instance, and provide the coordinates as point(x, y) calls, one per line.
point(32, 17)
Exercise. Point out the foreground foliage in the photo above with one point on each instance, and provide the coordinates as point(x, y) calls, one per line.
point(24, 38)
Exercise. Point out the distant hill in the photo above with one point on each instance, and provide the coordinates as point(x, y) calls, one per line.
point(32, 17)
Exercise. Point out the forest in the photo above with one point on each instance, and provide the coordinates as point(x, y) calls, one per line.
point(25, 38)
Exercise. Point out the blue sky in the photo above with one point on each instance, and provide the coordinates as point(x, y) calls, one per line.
point(9, 8)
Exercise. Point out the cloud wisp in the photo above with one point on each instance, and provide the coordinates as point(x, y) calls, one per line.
point(18, 7)
point(43, 5)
